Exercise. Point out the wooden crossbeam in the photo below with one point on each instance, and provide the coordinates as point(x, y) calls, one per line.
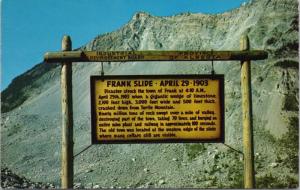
point(127, 56)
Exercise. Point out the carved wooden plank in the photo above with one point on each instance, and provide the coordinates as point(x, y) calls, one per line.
point(127, 56)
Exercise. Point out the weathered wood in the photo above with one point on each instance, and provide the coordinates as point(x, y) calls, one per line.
point(249, 179)
point(125, 56)
point(67, 119)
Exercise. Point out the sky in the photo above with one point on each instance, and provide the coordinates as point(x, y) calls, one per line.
point(29, 28)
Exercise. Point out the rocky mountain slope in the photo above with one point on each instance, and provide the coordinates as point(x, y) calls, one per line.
point(31, 118)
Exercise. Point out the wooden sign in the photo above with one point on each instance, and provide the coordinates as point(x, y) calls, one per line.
point(152, 55)
point(160, 108)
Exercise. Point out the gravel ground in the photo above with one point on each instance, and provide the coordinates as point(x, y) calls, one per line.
point(10, 180)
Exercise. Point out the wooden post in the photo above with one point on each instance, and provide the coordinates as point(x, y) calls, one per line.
point(249, 179)
point(67, 119)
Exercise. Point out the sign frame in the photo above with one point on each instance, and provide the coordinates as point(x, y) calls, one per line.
point(94, 78)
